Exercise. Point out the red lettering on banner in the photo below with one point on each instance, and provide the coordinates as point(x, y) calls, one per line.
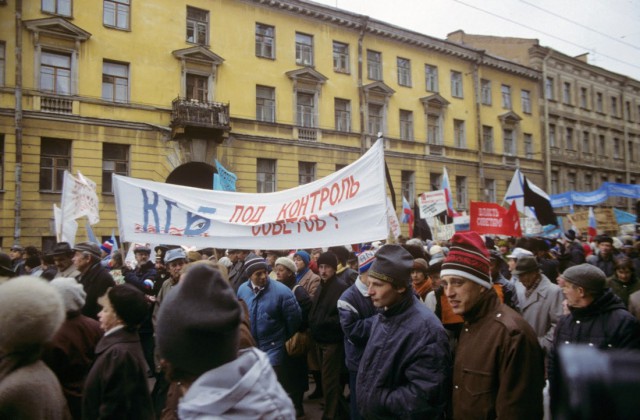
point(311, 224)
point(247, 215)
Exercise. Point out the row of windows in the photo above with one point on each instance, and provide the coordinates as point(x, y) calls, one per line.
point(115, 12)
point(572, 139)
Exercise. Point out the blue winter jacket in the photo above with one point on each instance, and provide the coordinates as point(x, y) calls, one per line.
point(275, 316)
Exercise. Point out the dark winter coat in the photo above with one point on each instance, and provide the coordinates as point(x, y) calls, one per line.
point(499, 366)
point(324, 320)
point(405, 371)
point(95, 282)
point(116, 387)
point(623, 290)
point(140, 274)
point(356, 316)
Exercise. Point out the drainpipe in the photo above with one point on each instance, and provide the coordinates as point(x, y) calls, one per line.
point(361, 96)
point(18, 123)
point(476, 88)
point(545, 121)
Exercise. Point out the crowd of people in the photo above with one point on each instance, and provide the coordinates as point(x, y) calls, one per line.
point(472, 327)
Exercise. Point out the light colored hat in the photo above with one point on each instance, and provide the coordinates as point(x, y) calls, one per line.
point(225, 261)
point(72, 293)
point(286, 262)
point(519, 252)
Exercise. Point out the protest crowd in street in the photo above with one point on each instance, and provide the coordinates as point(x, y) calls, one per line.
point(472, 327)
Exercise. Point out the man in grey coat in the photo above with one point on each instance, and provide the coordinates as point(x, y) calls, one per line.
point(542, 304)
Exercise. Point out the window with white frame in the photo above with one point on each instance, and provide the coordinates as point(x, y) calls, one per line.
point(115, 81)
point(566, 93)
point(55, 158)
point(586, 142)
point(265, 41)
point(525, 95)
point(197, 87)
point(485, 91)
point(306, 110)
point(404, 71)
point(406, 124)
point(306, 172)
point(459, 134)
point(115, 160)
point(265, 175)
point(568, 138)
point(57, 7)
point(304, 49)
point(506, 96)
point(487, 139)
point(456, 84)
point(434, 129)
point(431, 77)
point(509, 142)
point(549, 88)
point(116, 13)
point(2, 62)
point(461, 191)
point(374, 65)
point(375, 119)
point(490, 190)
point(55, 72)
point(408, 181)
point(342, 114)
point(340, 57)
point(197, 26)
point(528, 145)
point(265, 103)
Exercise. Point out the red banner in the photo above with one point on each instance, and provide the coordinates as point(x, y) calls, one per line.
point(494, 219)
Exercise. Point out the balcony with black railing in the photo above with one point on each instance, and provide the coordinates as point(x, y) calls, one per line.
point(199, 119)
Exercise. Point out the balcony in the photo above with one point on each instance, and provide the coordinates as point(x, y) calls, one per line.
point(307, 134)
point(56, 104)
point(191, 118)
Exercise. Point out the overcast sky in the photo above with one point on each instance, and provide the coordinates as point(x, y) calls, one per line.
point(609, 30)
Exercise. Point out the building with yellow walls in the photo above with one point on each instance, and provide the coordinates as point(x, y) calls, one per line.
point(280, 92)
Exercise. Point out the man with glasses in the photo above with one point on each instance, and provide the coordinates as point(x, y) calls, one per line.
point(498, 370)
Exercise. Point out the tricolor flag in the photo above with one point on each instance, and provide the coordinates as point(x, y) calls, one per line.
point(446, 186)
point(592, 224)
point(407, 215)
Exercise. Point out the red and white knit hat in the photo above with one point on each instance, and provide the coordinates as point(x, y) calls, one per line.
point(468, 258)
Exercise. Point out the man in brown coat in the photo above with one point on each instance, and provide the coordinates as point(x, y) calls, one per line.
point(499, 369)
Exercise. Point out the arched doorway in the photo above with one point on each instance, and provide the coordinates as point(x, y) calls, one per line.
point(193, 174)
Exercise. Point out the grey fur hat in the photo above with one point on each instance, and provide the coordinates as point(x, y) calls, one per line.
point(72, 293)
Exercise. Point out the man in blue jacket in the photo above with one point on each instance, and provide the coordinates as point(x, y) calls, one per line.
point(405, 371)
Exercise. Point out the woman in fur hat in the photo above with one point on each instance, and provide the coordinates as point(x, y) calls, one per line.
point(116, 386)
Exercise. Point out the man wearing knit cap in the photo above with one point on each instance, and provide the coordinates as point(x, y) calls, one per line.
point(324, 323)
point(274, 310)
point(356, 309)
point(200, 349)
point(405, 371)
point(597, 317)
point(499, 368)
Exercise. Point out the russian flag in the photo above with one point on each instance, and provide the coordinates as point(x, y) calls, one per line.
point(446, 186)
point(407, 215)
point(592, 231)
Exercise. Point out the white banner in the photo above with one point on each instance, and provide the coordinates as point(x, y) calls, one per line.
point(349, 206)
point(432, 203)
point(79, 199)
point(394, 223)
point(69, 228)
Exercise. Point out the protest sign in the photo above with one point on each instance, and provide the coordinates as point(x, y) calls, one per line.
point(491, 218)
point(432, 203)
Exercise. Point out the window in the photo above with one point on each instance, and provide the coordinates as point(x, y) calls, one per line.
point(435, 180)
point(490, 190)
point(627, 110)
point(434, 129)
point(571, 182)
point(456, 84)
point(115, 160)
point(1, 161)
point(340, 57)
point(343, 114)
point(55, 158)
point(566, 93)
point(614, 106)
point(374, 65)
point(549, 88)
point(487, 139)
point(306, 109)
point(599, 102)
point(485, 92)
point(406, 125)
point(57, 7)
point(630, 151)
point(404, 72)
point(586, 142)
point(197, 26)
point(552, 136)
point(509, 143)
point(408, 186)
point(528, 146)
point(265, 175)
point(506, 96)
point(197, 87)
point(568, 138)
point(304, 49)
point(584, 101)
point(461, 191)
point(306, 172)
point(588, 182)
point(525, 95)
point(555, 187)
point(431, 75)
point(116, 13)
point(375, 119)
point(340, 166)
point(616, 148)
point(55, 73)
point(115, 82)
point(459, 135)
point(2, 62)
point(265, 41)
point(265, 104)
point(602, 150)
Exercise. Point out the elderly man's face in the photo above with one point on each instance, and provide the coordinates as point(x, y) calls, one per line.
point(175, 267)
point(383, 294)
point(462, 294)
point(62, 262)
point(573, 294)
point(81, 261)
point(141, 258)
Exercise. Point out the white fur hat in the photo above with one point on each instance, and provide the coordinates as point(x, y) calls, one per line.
point(287, 263)
point(72, 292)
point(31, 311)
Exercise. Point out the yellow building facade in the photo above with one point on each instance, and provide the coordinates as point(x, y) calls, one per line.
point(279, 92)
